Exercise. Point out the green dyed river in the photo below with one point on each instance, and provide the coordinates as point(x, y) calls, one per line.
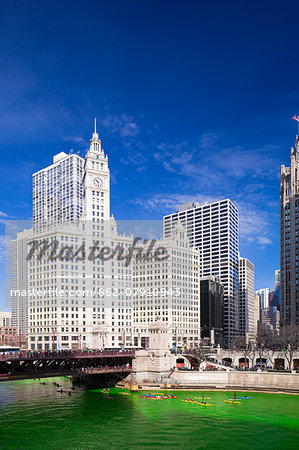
point(36, 416)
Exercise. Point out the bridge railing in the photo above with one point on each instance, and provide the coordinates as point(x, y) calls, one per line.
point(95, 370)
point(66, 354)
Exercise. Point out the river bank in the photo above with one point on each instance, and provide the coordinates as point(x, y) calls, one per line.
point(218, 380)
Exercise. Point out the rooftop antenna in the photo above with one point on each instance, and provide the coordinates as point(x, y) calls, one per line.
point(95, 124)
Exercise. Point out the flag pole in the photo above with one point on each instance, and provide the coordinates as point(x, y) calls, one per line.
point(297, 120)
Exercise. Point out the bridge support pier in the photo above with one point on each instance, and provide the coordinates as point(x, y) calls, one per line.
point(153, 366)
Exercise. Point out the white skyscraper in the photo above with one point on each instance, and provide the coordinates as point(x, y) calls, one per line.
point(264, 296)
point(247, 325)
point(57, 192)
point(214, 230)
point(56, 200)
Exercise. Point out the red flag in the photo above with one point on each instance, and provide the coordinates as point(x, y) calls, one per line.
point(295, 118)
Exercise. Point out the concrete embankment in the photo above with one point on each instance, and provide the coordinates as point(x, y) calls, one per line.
point(264, 381)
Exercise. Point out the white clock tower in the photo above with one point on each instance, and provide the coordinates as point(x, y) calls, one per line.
point(96, 181)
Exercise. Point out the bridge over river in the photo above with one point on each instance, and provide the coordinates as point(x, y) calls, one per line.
point(111, 366)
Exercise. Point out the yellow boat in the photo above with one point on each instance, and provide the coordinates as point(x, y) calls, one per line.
point(125, 393)
point(134, 387)
point(204, 404)
point(231, 401)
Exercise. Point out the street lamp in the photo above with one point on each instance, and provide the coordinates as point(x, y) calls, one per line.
point(53, 338)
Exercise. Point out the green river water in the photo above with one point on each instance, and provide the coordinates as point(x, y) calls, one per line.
point(36, 416)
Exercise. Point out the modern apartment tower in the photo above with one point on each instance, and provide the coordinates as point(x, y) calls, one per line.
point(247, 326)
point(213, 228)
point(57, 200)
point(57, 192)
point(289, 239)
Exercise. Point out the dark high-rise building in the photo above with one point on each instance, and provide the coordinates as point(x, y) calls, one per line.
point(274, 297)
point(289, 239)
point(211, 310)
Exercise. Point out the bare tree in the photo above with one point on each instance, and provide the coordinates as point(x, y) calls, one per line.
point(197, 355)
point(289, 341)
point(265, 341)
point(244, 347)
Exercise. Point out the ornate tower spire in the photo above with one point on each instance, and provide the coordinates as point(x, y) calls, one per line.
point(96, 181)
point(95, 142)
point(95, 134)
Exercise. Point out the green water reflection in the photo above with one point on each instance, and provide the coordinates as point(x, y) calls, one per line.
point(33, 415)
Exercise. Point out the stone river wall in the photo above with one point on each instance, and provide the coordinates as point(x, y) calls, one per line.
point(237, 380)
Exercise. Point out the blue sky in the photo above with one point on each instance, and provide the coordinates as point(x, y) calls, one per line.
point(194, 101)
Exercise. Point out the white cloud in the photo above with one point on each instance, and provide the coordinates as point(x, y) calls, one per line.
point(76, 139)
point(251, 221)
point(264, 240)
point(3, 217)
point(168, 203)
point(21, 204)
point(123, 125)
point(255, 222)
point(218, 164)
point(129, 129)
point(2, 247)
point(208, 140)
point(238, 162)
point(167, 165)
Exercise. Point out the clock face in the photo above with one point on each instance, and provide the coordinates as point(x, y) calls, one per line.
point(98, 182)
